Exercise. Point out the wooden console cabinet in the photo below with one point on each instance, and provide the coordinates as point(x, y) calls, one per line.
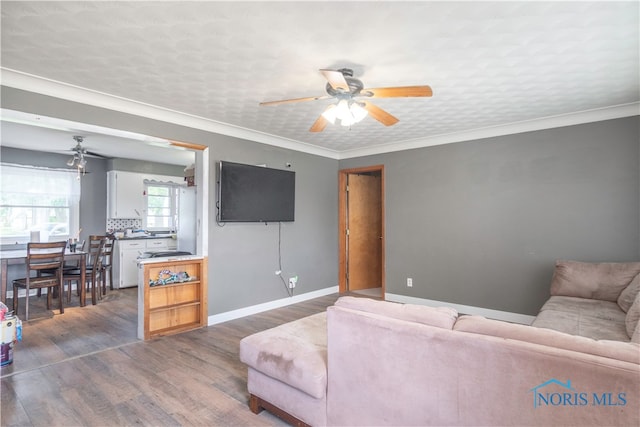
point(175, 307)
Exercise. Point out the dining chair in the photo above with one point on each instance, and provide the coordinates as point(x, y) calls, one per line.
point(68, 266)
point(93, 270)
point(41, 256)
point(107, 263)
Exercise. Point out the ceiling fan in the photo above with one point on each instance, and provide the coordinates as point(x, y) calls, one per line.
point(79, 150)
point(351, 95)
point(78, 159)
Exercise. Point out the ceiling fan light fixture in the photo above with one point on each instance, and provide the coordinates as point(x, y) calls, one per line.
point(348, 112)
point(78, 160)
point(330, 113)
point(357, 112)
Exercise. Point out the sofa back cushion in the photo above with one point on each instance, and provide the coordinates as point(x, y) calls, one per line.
point(442, 317)
point(619, 350)
point(628, 294)
point(603, 281)
point(632, 320)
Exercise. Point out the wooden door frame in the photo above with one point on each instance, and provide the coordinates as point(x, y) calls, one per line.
point(342, 223)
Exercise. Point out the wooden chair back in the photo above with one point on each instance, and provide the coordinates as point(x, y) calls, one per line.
point(42, 257)
point(96, 248)
point(45, 256)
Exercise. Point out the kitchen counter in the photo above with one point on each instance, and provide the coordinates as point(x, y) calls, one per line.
point(146, 237)
point(128, 249)
point(144, 261)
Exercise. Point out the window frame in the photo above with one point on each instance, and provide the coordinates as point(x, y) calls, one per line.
point(173, 205)
point(72, 201)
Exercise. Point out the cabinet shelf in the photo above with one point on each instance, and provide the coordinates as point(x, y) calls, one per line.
point(174, 307)
point(177, 329)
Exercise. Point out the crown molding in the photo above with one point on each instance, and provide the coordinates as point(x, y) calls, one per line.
point(43, 86)
point(589, 116)
point(56, 89)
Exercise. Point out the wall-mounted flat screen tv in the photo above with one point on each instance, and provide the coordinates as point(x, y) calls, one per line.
point(248, 193)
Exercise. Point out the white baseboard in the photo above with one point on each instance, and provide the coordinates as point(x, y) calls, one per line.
point(255, 309)
point(466, 309)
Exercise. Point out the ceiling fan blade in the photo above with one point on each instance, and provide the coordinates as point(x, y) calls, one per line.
point(96, 155)
point(291, 101)
point(379, 114)
point(398, 92)
point(319, 124)
point(336, 79)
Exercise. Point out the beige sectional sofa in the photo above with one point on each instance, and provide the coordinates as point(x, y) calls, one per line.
point(368, 362)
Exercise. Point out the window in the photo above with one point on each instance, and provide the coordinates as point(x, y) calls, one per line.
point(38, 199)
point(162, 206)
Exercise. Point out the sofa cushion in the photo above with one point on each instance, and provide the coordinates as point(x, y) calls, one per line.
point(442, 317)
point(603, 281)
point(633, 317)
point(635, 338)
point(599, 320)
point(612, 349)
point(294, 353)
point(628, 294)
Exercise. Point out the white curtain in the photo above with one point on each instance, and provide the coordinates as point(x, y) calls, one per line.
point(39, 181)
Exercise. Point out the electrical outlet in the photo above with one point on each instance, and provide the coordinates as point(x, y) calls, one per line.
point(409, 282)
point(293, 281)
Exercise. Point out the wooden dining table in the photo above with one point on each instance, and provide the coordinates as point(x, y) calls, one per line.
point(20, 257)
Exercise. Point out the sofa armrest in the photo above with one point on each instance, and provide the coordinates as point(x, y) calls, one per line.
point(603, 281)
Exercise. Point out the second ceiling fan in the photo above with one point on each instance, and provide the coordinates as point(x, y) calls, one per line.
point(351, 95)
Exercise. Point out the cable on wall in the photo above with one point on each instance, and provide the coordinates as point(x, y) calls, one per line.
point(279, 272)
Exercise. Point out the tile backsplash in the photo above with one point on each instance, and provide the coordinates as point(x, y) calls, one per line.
point(116, 224)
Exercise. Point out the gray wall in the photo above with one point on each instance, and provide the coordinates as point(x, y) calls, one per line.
point(477, 223)
point(151, 168)
point(481, 223)
point(242, 257)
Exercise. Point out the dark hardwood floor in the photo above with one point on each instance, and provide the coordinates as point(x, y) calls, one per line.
point(86, 367)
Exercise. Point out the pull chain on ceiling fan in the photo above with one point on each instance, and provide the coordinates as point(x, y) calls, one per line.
point(349, 109)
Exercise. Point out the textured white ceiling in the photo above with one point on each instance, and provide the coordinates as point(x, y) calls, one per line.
point(489, 63)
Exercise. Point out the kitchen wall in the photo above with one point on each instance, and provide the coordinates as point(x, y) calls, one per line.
point(481, 223)
point(242, 257)
point(151, 168)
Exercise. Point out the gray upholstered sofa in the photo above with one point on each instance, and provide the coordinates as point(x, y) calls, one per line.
point(367, 362)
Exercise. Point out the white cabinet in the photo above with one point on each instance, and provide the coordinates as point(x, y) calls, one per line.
point(125, 195)
point(125, 262)
point(157, 245)
point(125, 259)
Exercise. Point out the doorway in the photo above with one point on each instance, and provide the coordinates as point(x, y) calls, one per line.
point(361, 231)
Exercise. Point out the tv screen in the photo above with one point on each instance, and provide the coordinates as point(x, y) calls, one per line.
point(255, 194)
